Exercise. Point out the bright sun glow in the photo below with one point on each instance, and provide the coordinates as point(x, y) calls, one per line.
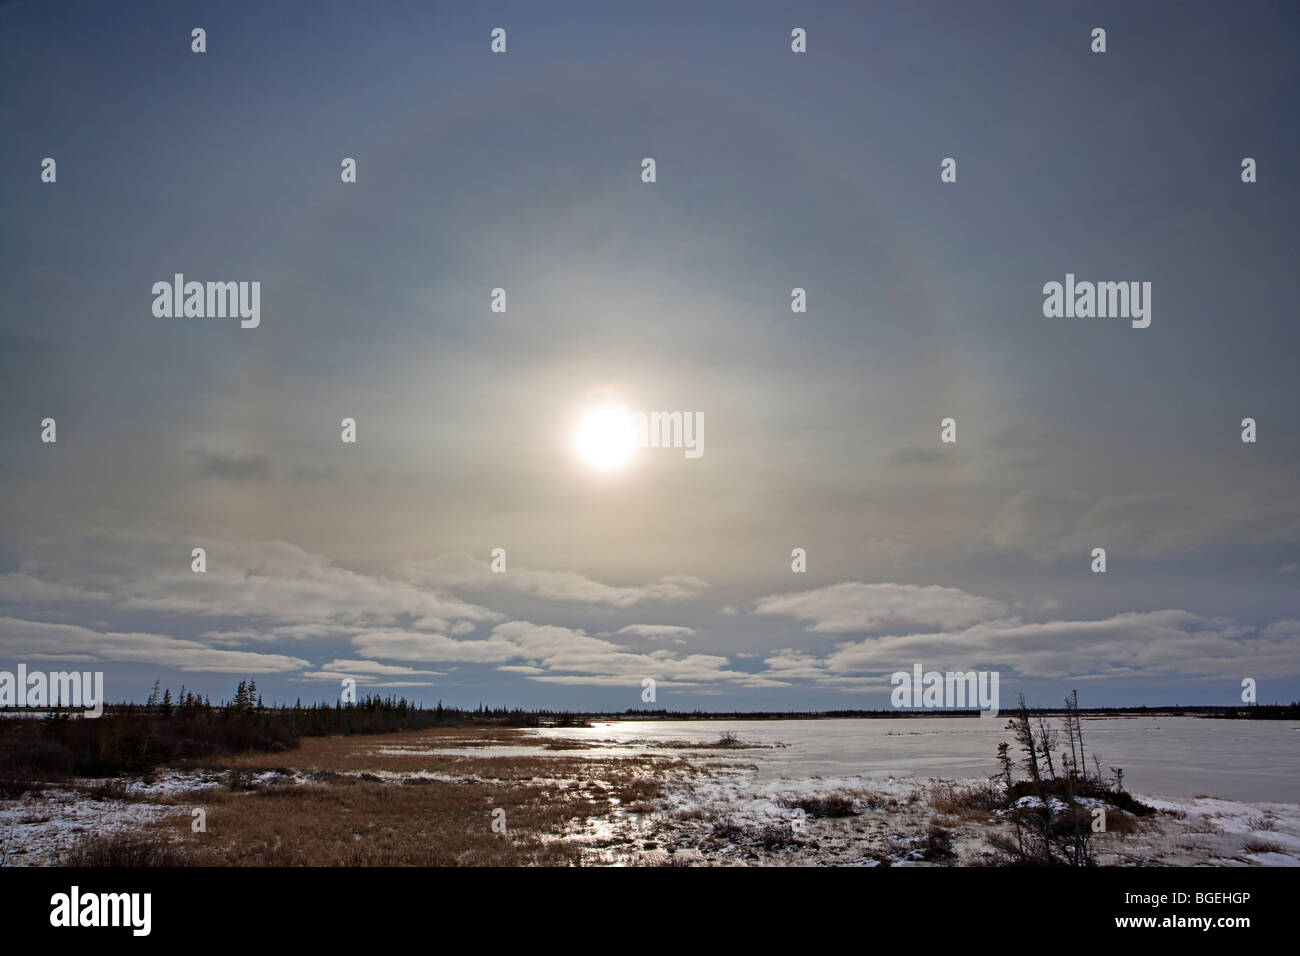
point(606, 438)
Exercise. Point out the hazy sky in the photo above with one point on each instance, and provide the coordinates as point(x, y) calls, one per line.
point(775, 170)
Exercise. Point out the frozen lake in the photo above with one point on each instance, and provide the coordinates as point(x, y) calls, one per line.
point(1177, 756)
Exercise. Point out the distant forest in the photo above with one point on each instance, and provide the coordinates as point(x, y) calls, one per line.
point(134, 738)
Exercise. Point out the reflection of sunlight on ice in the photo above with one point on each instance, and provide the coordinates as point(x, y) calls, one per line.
point(1234, 759)
point(727, 808)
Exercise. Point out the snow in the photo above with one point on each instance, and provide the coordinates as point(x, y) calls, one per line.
point(734, 806)
point(38, 828)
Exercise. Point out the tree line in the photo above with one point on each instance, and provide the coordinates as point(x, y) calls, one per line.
point(134, 738)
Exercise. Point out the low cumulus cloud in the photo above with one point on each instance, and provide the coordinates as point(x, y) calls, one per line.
point(968, 632)
point(468, 573)
point(258, 597)
point(273, 584)
point(555, 654)
point(279, 592)
point(370, 674)
point(658, 632)
point(38, 640)
point(352, 668)
point(1151, 644)
point(854, 607)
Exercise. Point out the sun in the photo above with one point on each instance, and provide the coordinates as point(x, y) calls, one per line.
point(606, 438)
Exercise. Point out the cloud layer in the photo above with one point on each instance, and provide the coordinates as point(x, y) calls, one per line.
point(258, 599)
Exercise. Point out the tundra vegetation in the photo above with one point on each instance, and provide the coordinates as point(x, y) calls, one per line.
point(1053, 812)
point(387, 782)
point(167, 729)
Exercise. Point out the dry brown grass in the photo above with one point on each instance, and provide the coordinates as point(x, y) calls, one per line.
point(349, 822)
point(128, 851)
point(350, 816)
point(1122, 823)
point(974, 803)
point(1256, 845)
point(696, 813)
point(819, 807)
point(727, 741)
point(362, 752)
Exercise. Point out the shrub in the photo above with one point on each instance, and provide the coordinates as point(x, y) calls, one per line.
point(958, 800)
point(831, 805)
point(1256, 845)
point(122, 851)
point(938, 845)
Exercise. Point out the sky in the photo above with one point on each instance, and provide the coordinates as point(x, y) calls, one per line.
point(774, 170)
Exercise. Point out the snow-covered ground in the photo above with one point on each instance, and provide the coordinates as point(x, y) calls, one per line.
point(38, 828)
point(737, 817)
point(1250, 760)
point(740, 805)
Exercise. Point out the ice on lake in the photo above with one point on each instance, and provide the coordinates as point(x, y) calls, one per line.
point(1182, 757)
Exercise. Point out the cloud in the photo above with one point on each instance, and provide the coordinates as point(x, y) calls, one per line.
point(22, 587)
point(1283, 629)
point(795, 665)
point(277, 591)
point(855, 607)
point(361, 679)
point(1151, 644)
point(1049, 525)
point(268, 584)
point(292, 632)
point(21, 639)
point(555, 654)
point(373, 669)
point(262, 592)
point(420, 647)
point(961, 631)
point(658, 632)
point(461, 570)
